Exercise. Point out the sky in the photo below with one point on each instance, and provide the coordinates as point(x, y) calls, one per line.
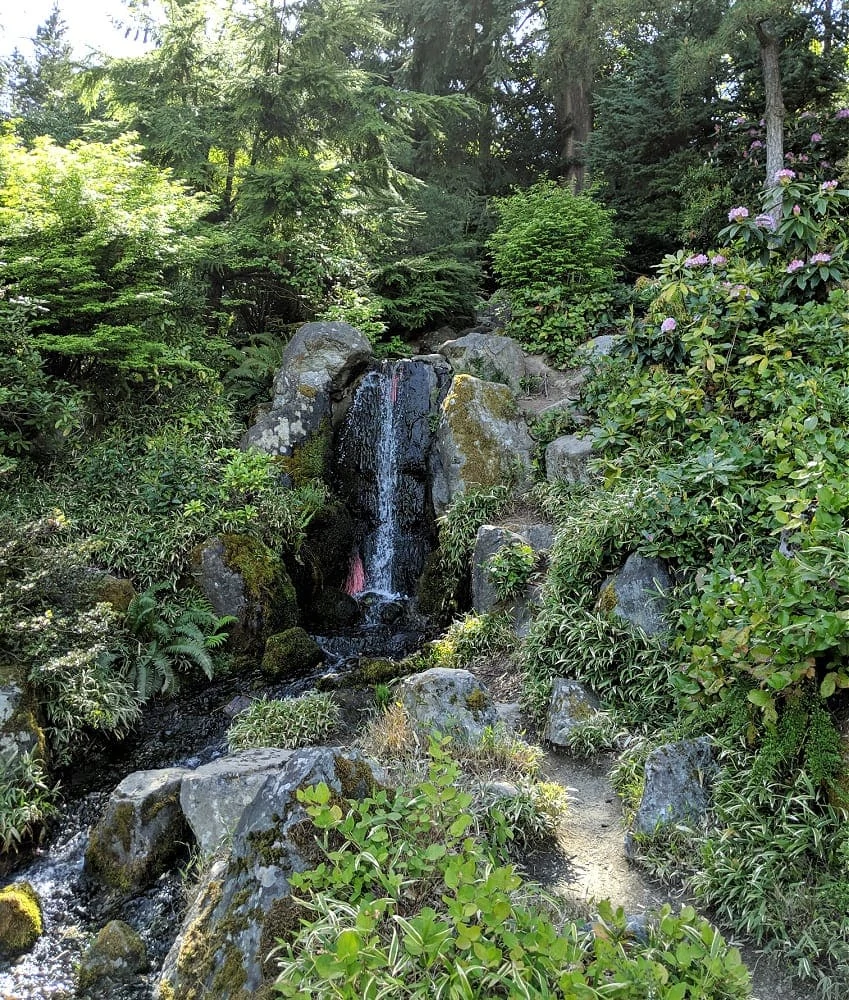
point(88, 21)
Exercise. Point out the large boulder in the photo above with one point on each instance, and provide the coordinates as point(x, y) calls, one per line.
point(487, 356)
point(491, 539)
point(319, 362)
point(292, 653)
point(214, 796)
point(21, 922)
point(451, 702)
point(242, 577)
point(140, 831)
point(568, 457)
point(116, 955)
point(637, 594)
point(678, 780)
point(244, 903)
point(571, 706)
point(481, 440)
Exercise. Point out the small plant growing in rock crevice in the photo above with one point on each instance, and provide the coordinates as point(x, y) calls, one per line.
point(510, 569)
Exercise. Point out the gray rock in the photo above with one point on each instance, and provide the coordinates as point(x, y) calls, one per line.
point(116, 955)
point(221, 584)
point(637, 593)
point(571, 705)
point(602, 347)
point(244, 902)
point(509, 715)
point(214, 796)
point(490, 539)
point(678, 779)
point(567, 458)
point(319, 362)
point(451, 702)
point(481, 440)
point(487, 356)
point(20, 733)
point(567, 407)
point(140, 831)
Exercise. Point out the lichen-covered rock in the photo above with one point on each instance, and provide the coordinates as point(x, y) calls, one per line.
point(318, 363)
point(116, 955)
point(21, 923)
point(214, 796)
point(678, 779)
point(20, 732)
point(140, 831)
point(481, 440)
point(568, 457)
point(637, 593)
point(291, 653)
point(242, 577)
point(451, 702)
point(571, 705)
point(115, 591)
point(244, 903)
point(487, 356)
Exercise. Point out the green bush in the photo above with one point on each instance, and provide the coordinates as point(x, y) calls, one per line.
point(509, 569)
point(556, 254)
point(288, 723)
point(410, 903)
point(26, 800)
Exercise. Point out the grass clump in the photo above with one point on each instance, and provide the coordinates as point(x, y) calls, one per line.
point(287, 723)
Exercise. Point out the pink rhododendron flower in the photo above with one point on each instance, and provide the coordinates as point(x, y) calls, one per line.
point(697, 260)
point(795, 265)
point(785, 176)
point(738, 214)
point(668, 325)
point(718, 260)
point(828, 186)
point(821, 258)
point(842, 113)
point(816, 137)
point(797, 210)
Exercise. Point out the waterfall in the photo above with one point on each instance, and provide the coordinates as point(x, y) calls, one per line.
point(383, 450)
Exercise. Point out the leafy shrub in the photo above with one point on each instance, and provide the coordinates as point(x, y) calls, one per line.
point(509, 569)
point(556, 254)
point(287, 723)
point(26, 800)
point(408, 903)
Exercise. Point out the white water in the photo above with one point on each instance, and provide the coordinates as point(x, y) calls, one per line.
point(382, 560)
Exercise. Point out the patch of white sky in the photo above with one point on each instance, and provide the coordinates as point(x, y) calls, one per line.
point(93, 26)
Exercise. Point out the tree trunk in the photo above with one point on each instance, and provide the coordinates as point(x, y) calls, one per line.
point(574, 115)
point(774, 116)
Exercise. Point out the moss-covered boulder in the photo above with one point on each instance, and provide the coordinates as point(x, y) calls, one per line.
point(244, 903)
point(21, 922)
point(291, 653)
point(637, 593)
point(450, 702)
point(242, 577)
point(481, 440)
point(140, 832)
point(116, 955)
point(115, 591)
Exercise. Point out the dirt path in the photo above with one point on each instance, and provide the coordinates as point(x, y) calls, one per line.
point(592, 865)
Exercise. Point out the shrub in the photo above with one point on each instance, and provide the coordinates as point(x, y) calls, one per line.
point(287, 723)
point(509, 569)
point(26, 800)
point(409, 903)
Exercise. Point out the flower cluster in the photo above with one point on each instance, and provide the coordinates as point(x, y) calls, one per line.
point(828, 186)
point(718, 260)
point(739, 213)
point(820, 258)
point(795, 265)
point(668, 325)
point(785, 176)
point(697, 260)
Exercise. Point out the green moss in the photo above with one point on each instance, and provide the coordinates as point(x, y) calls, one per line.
point(607, 599)
point(21, 923)
point(327, 549)
point(117, 949)
point(291, 653)
point(309, 460)
point(282, 922)
point(269, 587)
point(230, 975)
point(435, 593)
point(483, 456)
point(477, 701)
point(355, 777)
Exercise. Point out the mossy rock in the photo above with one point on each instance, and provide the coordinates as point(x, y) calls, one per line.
point(325, 556)
point(115, 591)
point(21, 922)
point(291, 653)
point(335, 609)
point(308, 460)
point(116, 954)
point(433, 601)
point(20, 731)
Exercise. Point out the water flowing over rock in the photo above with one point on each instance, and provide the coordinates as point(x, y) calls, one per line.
point(319, 362)
point(637, 593)
point(244, 902)
point(214, 796)
point(141, 829)
point(451, 702)
point(487, 356)
point(678, 779)
point(382, 468)
point(481, 441)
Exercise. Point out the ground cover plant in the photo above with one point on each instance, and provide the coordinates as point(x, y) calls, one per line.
point(723, 450)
